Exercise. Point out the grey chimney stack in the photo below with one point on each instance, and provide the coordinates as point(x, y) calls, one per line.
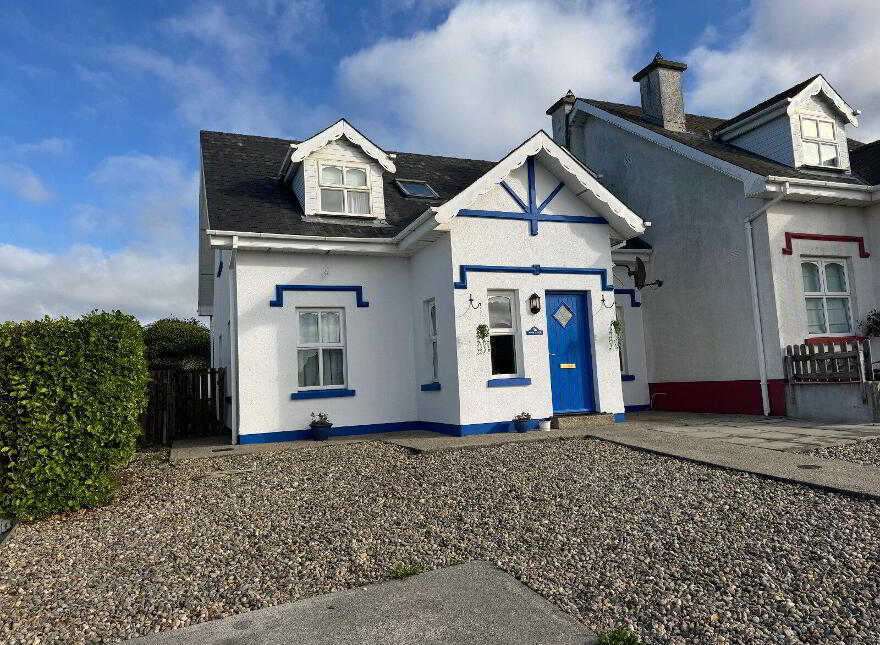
point(662, 100)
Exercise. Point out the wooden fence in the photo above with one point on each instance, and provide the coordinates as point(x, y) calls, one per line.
point(846, 362)
point(184, 403)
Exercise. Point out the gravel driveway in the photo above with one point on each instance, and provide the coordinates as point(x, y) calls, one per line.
point(862, 452)
point(685, 553)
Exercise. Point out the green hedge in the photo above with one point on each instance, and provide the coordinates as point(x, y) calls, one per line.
point(176, 343)
point(71, 392)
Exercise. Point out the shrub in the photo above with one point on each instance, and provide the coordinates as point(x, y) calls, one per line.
point(619, 636)
point(871, 324)
point(177, 343)
point(71, 392)
point(406, 570)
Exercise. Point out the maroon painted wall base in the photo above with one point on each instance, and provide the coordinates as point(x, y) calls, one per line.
point(718, 397)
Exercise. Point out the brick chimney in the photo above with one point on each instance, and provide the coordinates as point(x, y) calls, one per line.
point(662, 100)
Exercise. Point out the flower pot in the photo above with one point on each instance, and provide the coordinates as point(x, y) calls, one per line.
point(320, 432)
point(521, 425)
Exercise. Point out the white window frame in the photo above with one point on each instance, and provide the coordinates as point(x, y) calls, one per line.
point(320, 346)
point(504, 331)
point(820, 141)
point(345, 189)
point(824, 294)
point(433, 353)
point(619, 315)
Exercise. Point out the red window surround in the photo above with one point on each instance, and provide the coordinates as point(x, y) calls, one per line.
point(787, 250)
point(821, 340)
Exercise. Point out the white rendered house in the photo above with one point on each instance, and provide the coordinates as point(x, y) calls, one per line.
point(765, 230)
point(346, 279)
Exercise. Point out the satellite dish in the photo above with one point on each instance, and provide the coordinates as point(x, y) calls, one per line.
point(640, 274)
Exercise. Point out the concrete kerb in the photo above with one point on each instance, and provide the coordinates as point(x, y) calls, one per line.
point(474, 602)
point(835, 476)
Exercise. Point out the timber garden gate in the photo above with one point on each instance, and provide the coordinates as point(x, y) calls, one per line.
point(184, 403)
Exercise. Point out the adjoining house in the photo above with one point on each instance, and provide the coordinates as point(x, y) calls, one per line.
point(399, 291)
point(765, 228)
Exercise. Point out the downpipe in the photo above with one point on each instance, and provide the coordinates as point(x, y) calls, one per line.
point(756, 307)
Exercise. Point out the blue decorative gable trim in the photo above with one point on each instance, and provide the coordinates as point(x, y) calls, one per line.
point(532, 212)
point(632, 296)
point(535, 269)
point(281, 288)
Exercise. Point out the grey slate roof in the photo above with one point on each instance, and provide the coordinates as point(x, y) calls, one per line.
point(773, 100)
point(697, 137)
point(244, 193)
point(866, 158)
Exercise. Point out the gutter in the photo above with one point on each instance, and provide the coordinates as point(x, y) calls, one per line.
point(756, 307)
point(412, 228)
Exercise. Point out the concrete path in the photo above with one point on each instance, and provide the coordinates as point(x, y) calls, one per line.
point(472, 603)
point(438, 441)
point(416, 440)
point(829, 474)
point(210, 447)
point(775, 433)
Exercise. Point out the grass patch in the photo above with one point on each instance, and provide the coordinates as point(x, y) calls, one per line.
point(619, 636)
point(403, 570)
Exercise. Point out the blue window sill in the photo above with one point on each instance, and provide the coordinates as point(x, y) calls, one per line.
point(508, 382)
point(320, 394)
point(627, 377)
point(431, 387)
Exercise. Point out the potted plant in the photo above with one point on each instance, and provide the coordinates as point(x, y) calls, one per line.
point(615, 333)
point(482, 338)
point(319, 428)
point(521, 421)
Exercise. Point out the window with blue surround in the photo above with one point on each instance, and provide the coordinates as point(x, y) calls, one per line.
point(320, 349)
point(431, 339)
point(503, 333)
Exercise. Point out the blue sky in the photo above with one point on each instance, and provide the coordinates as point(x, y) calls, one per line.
point(104, 100)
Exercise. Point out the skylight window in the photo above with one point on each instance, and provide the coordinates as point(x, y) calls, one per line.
point(415, 188)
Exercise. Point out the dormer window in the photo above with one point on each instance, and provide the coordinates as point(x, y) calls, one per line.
point(819, 142)
point(344, 189)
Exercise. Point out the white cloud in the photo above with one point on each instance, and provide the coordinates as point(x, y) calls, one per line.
point(154, 274)
point(56, 146)
point(480, 82)
point(785, 42)
point(213, 26)
point(24, 183)
point(147, 282)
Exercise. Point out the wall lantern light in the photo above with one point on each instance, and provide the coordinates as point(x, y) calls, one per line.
point(535, 303)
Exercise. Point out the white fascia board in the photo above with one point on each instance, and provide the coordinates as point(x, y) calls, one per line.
point(731, 170)
point(579, 177)
point(818, 85)
point(816, 189)
point(294, 244)
point(341, 128)
point(755, 120)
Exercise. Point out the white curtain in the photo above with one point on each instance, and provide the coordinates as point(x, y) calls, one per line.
point(359, 202)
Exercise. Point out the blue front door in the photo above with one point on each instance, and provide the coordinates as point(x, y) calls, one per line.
point(571, 354)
